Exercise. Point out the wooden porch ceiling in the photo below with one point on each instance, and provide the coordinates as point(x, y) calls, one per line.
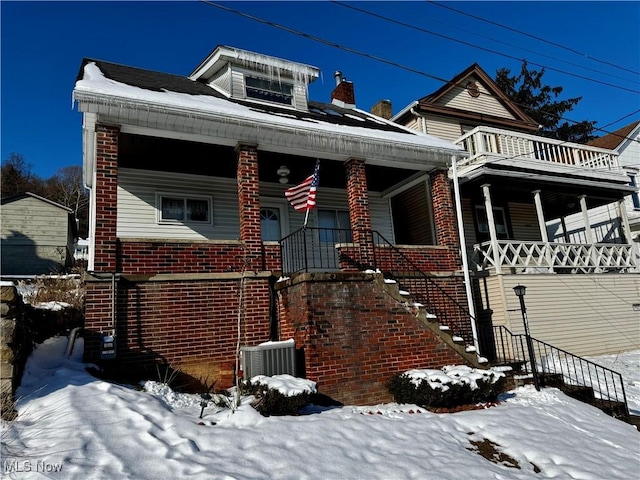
point(169, 155)
point(558, 199)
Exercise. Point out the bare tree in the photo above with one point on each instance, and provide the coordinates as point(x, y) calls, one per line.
point(66, 187)
point(17, 177)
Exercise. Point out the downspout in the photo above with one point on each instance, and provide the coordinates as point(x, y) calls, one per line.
point(423, 124)
point(463, 252)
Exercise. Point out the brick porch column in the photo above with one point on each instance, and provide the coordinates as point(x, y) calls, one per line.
point(106, 192)
point(359, 214)
point(444, 214)
point(249, 205)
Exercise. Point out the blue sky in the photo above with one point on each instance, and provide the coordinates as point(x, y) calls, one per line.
point(43, 44)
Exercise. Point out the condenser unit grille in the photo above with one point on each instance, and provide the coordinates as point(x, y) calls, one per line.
point(272, 358)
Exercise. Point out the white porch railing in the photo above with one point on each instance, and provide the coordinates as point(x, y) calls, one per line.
point(554, 257)
point(484, 142)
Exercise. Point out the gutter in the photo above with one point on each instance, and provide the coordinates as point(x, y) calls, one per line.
point(341, 144)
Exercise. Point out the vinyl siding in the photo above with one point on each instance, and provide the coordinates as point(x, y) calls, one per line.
point(222, 79)
point(444, 128)
point(32, 221)
point(459, 98)
point(524, 222)
point(583, 314)
point(137, 214)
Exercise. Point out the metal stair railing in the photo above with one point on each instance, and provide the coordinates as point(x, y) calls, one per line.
point(395, 264)
point(607, 384)
point(315, 249)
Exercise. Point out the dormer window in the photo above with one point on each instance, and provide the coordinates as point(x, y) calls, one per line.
point(268, 90)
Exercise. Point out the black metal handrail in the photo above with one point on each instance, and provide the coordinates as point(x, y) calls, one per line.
point(574, 371)
point(312, 249)
point(315, 249)
point(422, 287)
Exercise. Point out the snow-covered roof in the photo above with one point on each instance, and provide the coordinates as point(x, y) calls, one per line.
point(110, 89)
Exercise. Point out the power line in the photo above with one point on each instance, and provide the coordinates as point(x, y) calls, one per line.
point(620, 119)
point(544, 55)
point(357, 52)
point(468, 44)
point(532, 36)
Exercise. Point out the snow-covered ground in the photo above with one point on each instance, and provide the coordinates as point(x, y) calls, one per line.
point(74, 426)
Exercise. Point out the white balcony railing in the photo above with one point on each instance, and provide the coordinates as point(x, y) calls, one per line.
point(485, 142)
point(554, 257)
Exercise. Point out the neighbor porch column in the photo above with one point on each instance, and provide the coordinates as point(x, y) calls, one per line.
point(249, 205)
point(542, 224)
point(624, 222)
point(105, 190)
point(359, 213)
point(585, 218)
point(493, 234)
point(593, 255)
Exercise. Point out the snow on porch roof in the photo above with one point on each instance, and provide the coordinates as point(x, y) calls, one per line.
point(109, 84)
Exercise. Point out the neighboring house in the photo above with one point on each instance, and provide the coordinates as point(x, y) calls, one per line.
point(607, 222)
point(582, 295)
point(37, 235)
point(190, 231)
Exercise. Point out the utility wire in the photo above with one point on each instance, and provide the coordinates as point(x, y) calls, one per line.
point(468, 44)
point(359, 52)
point(536, 52)
point(532, 36)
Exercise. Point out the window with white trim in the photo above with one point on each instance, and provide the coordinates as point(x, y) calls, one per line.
point(184, 209)
point(268, 90)
point(500, 221)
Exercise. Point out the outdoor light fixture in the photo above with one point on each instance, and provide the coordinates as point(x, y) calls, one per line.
point(283, 172)
point(520, 291)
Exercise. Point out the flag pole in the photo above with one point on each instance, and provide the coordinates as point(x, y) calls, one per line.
point(306, 217)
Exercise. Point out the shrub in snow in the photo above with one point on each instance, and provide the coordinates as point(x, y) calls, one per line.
point(450, 387)
point(279, 394)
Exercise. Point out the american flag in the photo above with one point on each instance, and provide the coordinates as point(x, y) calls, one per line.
point(302, 197)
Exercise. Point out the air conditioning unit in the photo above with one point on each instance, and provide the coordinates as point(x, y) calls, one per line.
point(270, 358)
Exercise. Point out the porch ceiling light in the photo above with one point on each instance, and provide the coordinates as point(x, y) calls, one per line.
point(283, 172)
point(520, 290)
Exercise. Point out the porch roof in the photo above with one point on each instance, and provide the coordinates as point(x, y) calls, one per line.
point(515, 181)
point(162, 101)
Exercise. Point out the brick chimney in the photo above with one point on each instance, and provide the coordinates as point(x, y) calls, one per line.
point(343, 95)
point(383, 109)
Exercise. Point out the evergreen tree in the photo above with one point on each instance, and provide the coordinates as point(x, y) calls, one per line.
point(541, 103)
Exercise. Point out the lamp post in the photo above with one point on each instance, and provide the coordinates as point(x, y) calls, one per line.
point(520, 291)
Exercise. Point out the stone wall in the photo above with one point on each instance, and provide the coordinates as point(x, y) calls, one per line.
point(14, 347)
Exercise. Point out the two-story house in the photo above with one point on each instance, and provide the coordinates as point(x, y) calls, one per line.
point(583, 294)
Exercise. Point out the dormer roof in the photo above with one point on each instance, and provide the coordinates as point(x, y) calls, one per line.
point(265, 64)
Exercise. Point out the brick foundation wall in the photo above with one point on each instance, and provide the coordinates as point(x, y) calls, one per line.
point(192, 325)
point(355, 336)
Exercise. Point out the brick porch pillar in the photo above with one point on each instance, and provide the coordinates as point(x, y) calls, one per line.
point(106, 191)
point(444, 214)
point(359, 214)
point(249, 205)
